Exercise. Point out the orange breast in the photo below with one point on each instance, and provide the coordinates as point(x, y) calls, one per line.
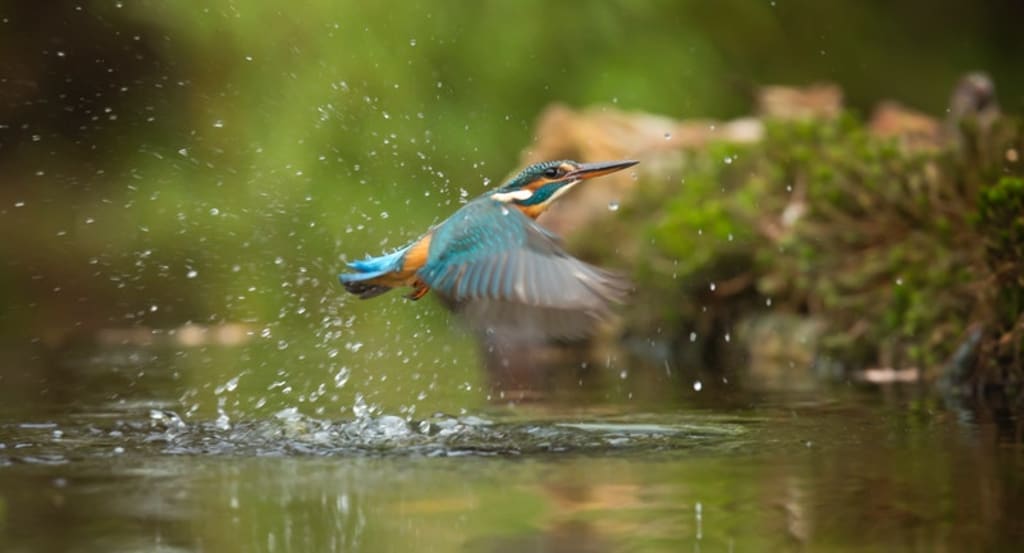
point(414, 260)
point(416, 257)
point(533, 211)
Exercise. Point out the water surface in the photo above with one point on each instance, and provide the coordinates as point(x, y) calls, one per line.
point(834, 469)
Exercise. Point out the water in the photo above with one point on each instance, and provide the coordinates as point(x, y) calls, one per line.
point(728, 469)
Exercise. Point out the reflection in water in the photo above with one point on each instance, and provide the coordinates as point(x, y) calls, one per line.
point(827, 476)
point(531, 371)
point(585, 461)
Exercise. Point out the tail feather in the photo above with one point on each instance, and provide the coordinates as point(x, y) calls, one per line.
point(360, 282)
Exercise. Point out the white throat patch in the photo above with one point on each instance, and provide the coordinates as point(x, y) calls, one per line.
point(509, 197)
point(524, 194)
point(562, 190)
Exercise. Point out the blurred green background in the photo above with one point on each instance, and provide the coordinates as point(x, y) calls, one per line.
point(182, 180)
point(199, 162)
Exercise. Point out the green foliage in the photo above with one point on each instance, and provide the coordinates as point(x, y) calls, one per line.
point(824, 219)
point(215, 162)
point(1001, 219)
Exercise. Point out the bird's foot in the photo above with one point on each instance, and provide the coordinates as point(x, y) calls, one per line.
point(419, 290)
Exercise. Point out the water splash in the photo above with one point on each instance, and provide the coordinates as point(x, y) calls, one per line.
point(289, 432)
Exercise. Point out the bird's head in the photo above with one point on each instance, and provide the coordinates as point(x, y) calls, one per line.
point(535, 187)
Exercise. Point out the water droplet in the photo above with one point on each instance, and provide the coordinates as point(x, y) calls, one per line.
point(693, 336)
point(697, 386)
point(218, 124)
point(768, 302)
point(668, 136)
point(192, 273)
point(412, 42)
point(899, 281)
point(360, 409)
point(342, 377)
point(214, 211)
point(712, 286)
point(613, 205)
point(728, 160)
point(19, 204)
point(183, 152)
point(623, 374)
point(728, 337)
point(229, 386)
point(223, 421)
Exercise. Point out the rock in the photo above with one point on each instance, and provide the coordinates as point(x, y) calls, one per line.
point(914, 130)
point(607, 133)
point(818, 101)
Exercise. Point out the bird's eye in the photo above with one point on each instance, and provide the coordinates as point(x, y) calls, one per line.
point(552, 172)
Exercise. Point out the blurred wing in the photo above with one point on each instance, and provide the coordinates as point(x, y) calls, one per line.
point(507, 274)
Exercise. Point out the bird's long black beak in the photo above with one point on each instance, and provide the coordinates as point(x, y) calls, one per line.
point(591, 170)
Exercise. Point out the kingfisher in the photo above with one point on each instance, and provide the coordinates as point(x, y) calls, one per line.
point(495, 265)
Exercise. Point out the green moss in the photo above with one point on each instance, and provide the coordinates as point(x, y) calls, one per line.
point(880, 243)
